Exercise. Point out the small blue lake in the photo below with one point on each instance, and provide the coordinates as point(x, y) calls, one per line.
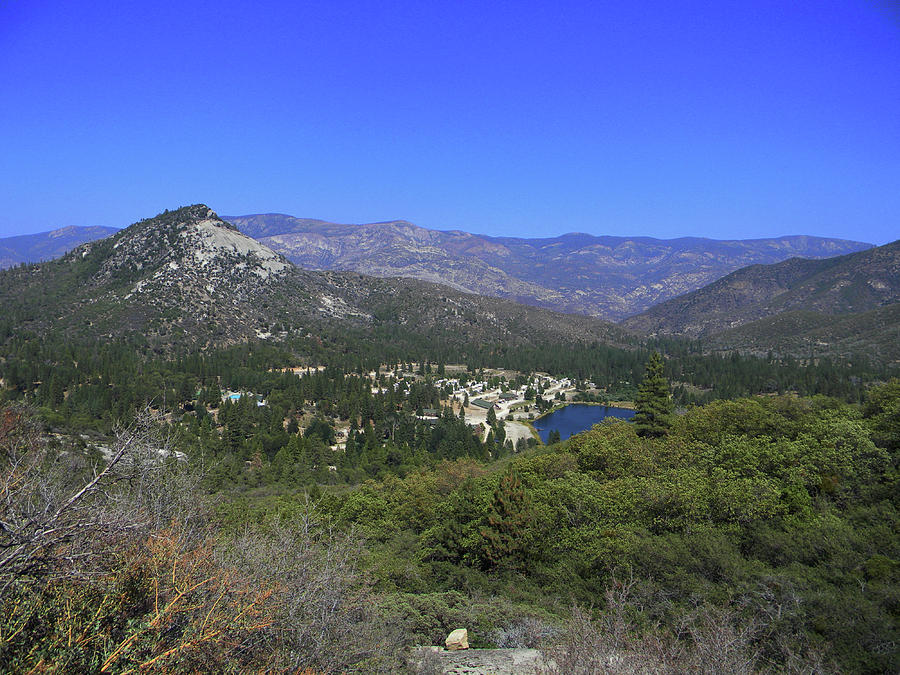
point(577, 417)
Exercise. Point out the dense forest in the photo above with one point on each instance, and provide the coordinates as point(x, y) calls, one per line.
point(88, 388)
point(778, 516)
point(98, 383)
point(768, 525)
point(202, 512)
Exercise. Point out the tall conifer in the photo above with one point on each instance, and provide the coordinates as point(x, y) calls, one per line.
point(507, 521)
point(654, 402)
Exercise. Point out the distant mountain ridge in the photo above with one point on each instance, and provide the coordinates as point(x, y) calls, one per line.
point(28, 248)
point(609, 277)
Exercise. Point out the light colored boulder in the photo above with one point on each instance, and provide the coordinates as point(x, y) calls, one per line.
point(458, 639)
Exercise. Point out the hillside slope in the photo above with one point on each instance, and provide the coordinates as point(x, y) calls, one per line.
point(610, 277)
point(853, 283)
point(875, 334)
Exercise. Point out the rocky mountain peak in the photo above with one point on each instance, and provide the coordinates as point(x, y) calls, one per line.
point(190, 248)
point(185, 270)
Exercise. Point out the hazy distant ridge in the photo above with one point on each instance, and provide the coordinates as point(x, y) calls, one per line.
point(610, 277)
point(30, 248)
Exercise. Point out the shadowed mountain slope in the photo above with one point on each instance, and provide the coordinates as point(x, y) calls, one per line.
point(875, 334)
point(852, 283)
point(839, 306)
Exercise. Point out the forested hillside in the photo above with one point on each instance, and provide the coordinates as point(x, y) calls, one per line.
point(875, 333)
point(844, 285)
point(773, 522)
point(386, 527)
point(647, 551)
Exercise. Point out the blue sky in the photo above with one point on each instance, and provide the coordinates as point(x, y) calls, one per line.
point(719, 119)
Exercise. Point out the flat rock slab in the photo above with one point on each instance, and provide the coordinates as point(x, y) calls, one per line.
point(493, 662)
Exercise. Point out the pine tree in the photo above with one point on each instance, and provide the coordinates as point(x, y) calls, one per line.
point(510, 512)
point(654, 403)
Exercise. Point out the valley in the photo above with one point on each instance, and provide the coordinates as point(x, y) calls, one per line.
point(367, 441)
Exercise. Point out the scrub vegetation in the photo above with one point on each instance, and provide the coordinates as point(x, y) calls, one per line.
point(757, 534)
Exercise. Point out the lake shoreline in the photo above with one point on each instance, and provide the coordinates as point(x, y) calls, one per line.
point(576, 417)
point(622, 405)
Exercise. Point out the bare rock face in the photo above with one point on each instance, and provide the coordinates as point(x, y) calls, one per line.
point(183, 271)
point(458, 639)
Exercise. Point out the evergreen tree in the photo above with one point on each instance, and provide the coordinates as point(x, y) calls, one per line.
point(502, 535)
point(500, 435)
point(654, 403)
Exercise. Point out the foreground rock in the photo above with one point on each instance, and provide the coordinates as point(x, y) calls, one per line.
point(458, 639)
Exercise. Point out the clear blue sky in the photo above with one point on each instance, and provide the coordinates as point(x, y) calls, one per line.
point(720, 119)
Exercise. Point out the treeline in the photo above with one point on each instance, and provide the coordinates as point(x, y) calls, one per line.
point(93, 384)
point(290, 441)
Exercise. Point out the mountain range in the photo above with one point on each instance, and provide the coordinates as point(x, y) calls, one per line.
point(187, 277)
point(608, 277)
point(191, 277)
